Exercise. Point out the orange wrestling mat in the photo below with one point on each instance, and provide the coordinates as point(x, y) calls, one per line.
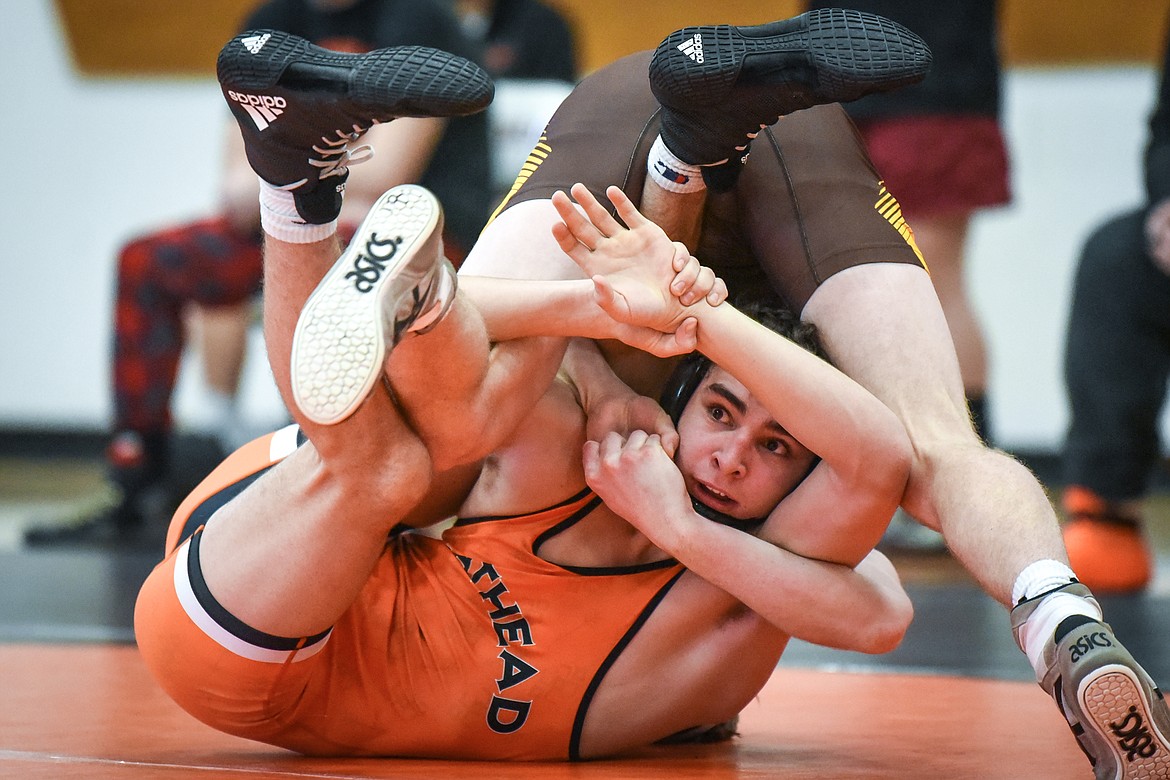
point(92, 711)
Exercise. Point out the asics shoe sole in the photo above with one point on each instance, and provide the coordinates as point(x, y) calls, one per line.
point(1114, 709)
point(1118, 707)
point(364, 303)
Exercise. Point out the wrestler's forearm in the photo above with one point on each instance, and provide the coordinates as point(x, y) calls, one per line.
point(821, 407)
point(863, 609)
point(519, 308)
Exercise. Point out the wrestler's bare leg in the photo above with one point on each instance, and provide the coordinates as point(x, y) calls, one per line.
point(290, 553)
point(942, 238)
point(883, 325)
point(330, 505)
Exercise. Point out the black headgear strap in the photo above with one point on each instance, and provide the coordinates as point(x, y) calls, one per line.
point(676, 393)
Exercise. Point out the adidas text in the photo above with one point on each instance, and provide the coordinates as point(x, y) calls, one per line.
point(264, 109)
point(693, 48)
point(1085, 644)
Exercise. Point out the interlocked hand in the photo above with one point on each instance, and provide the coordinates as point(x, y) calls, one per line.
point(641, 278)
point(624, 414)
point(636, 478)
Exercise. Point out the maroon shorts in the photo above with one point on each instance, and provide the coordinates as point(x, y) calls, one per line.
point(940, 164)
point(807, 205)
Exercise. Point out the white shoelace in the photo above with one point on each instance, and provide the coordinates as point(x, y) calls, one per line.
point(337, 155)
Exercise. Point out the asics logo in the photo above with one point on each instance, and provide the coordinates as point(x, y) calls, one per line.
point(693, 48)
point(403, 323)
point(264, 109)
point(368, 266)
point(1078, 649)
point(1133, 736)
point(256, 42)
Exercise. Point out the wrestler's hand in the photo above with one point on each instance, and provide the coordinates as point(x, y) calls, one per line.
point(638, 480)
point(694, 282)
point(681, 341)
point(640, 275)
point(625, 413)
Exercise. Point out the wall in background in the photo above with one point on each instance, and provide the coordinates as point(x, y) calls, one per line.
point(91, 161)
point(144, 36)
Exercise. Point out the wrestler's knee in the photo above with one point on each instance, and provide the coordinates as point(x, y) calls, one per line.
point(138, 262)
point(936, 462)
point(393, 472)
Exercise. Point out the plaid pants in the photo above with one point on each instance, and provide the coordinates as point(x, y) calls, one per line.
point(159, 275)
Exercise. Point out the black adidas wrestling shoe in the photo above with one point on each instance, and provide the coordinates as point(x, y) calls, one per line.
point(719, 85)
point(300, 107)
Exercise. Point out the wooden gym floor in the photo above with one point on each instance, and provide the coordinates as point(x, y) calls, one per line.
point(955, 701)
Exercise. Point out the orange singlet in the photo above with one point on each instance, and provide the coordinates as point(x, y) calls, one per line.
point(471, 647)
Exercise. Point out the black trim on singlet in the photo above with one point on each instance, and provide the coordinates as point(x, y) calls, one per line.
point(230, 622)
point(593, 571)
point(202, 513)
point(595, 683)
point(585, 571)
point(488, 518)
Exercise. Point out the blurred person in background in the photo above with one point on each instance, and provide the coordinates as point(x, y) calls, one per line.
point(213, 265)
point(1116, 362)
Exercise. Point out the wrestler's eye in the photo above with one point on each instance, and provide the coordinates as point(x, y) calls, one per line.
point(777, 446)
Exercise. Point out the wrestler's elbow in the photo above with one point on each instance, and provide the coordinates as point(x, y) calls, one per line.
point(886, 628)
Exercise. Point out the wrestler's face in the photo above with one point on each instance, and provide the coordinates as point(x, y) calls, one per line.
point(734, 457)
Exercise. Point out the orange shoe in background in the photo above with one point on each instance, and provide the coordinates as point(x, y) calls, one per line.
point(1108, 554)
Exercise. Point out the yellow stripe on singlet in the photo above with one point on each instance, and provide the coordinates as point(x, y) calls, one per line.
point(538, 155)
point(887, 206)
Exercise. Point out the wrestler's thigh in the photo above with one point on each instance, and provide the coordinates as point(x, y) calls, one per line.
point(599, 136)
point(882, 324)
point(518, 244)
point(810, 205)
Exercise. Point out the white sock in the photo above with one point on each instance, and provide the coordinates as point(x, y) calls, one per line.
point(1036, 579)
point(279, 218)
point(671, 173)
point(1040, 577)
point(1037, 632)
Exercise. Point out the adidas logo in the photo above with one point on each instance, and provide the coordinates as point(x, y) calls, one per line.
point(693, 48)
point(256, 42)
point(264, 109)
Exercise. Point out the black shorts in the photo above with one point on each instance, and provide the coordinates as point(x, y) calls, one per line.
point(807, 205)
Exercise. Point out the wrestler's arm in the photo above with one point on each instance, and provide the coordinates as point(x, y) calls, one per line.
point(529, 320)
point(644, 286)
point(840, 511)
point(861, 608)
